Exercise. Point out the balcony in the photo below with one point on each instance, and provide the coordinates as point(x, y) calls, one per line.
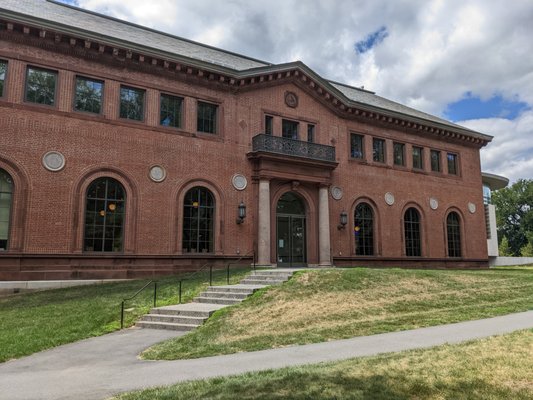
point(291, 147)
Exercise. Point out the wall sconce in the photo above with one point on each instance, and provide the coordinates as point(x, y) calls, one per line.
point(343, 220)
point(241, 213)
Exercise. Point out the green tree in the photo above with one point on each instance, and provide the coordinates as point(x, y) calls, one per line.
point(504, 249)
point(514, 214)
point(527, 250)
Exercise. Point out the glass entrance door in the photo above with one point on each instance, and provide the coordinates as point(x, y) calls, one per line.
point(290, 234)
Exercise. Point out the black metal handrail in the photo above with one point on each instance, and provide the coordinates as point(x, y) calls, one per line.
point(135, 295)
point(293, 147)
point(252, 253)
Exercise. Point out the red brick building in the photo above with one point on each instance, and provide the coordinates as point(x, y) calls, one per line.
point(129, 152)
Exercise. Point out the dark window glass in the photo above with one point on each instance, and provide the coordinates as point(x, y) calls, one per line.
point(104, 215)
point(364, 230)
point(399, 154)
point(207, 117)
point(418, 162)
point(198, 221)
point(453, 230)
point(131, 103)
point(378, 150)
point(289, 129)
point(6, 193)
point(452, 164)
point(310, 133)
point(170, 110)
point(412, 233)
point(3, 69)
point(269, 124)
point(41, 86)
point(356, 146)
point(89, 95)
point(435, 160)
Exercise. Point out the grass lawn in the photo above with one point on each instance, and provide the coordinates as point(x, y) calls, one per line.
point(31, 322)
point(494, 368)
point(322, 305)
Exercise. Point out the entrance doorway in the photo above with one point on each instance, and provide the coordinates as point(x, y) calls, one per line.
point(290, 231)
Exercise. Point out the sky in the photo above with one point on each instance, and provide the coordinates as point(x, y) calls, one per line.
point(469, 61)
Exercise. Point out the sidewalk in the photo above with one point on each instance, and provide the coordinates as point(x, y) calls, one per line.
point(100, 367)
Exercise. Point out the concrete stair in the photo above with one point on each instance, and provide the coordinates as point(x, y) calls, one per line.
point(186, 317)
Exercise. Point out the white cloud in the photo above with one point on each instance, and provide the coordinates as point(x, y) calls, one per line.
point(435, 51)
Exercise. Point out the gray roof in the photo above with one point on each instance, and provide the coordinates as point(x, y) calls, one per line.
point(113, 31)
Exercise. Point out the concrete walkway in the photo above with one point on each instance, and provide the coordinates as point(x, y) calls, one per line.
point(99, 367)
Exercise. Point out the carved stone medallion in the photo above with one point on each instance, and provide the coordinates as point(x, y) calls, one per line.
point(158, 173)
point(471, 208)
point(433, 203)
point(239, 181)
point(336, 192)
point(389, 198)
point(54, 161)
point(291, 99)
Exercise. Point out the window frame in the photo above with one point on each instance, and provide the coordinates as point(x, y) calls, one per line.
point(3, 93)
point(283, 120)
point(363, 234)
point(438, 167)
point(456, 163)
point(362, 150)
point(215, 121)
point(56, 83)
point(143, 112)
point(102, 81)
point(394, 145)
point(453, 236)
point(269, 124)
point(421, 168)
point(10, 208)
point(412, 237)
point(311, 133)
point(187, 219)
point(181, 110)
point(383, 152)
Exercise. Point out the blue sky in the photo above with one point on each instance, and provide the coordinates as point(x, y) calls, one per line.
point(469, 61)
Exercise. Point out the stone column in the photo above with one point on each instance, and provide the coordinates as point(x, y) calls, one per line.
point(324, 247)
point(263, 234)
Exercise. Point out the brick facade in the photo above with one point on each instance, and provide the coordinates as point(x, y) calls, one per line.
point(47, 212)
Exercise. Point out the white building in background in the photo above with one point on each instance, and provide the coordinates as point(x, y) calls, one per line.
point(492, 182)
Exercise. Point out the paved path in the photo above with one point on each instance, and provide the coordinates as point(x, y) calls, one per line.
point(100, 367)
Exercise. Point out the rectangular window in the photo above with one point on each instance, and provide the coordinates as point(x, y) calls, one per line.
point(132, 103)
point(170, 110)
point(435, 160)
point(310, 133)
point(269, 124)
point(289, 129)
point(41, 86)
point(206, 117)
point(89, 95)
point(418, 158)
point(399, 154)
point(378, 150)
point(3, 69)
point(356, 146)
point(452, 164)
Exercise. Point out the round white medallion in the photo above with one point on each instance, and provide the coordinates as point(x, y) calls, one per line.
point(389, 198)
point(158, 173)
point(336, 192)
point(433, 203)
point(239, 182)
point(54, 161)
point(471, 208)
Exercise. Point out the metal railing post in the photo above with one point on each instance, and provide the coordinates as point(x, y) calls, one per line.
point(210, 275)
point(155, 294)
point(179, 301)
point(122, 315)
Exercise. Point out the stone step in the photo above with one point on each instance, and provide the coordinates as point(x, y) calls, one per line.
point(224, 295)
point(246, 289)
point(259, 276)
point(188, 310)
point(174, 319)
point(215, 300)
point(253, 281)
point(271, 273)
point(166, 325)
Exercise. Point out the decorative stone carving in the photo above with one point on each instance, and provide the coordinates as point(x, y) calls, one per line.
point(433, 203)
point(471, 208)
point(336, 192)
point(291, 99)
point(239, 181)
point(54, 161)
point(158, 173)
point(389, 198)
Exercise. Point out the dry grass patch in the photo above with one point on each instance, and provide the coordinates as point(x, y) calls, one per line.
point(322, 305)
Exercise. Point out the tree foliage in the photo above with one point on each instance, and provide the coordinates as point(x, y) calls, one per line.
point(514, 214)
point(503, 248)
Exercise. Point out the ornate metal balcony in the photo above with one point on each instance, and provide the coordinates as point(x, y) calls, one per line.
point(292, 147)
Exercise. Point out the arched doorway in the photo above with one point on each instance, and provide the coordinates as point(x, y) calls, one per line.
point(291, 231)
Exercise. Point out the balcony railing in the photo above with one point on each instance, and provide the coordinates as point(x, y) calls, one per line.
point(292, 147)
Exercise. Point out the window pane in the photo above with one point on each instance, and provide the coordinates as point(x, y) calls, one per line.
point(131, 103)
point(378, 150)
point(289, 129)
point(170, 111)
point(198, 221)
point(88, 95)
point(452, 164)
point(399, 152)
point(6, 192)
point(207, 117)
point(453, 230)
point(310, 133)
point(435, 160)
point(356, 146)
point(269, 124)
point(364, 230)
point(417, 158)
point(412, 233)
point(41, 86)
point(3, 69)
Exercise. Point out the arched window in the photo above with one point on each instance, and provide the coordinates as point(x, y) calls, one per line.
point(364, 230)
point(412, 233)
point(198, 221)
point(6, 193)
point(453, 230)
point(104, 215)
